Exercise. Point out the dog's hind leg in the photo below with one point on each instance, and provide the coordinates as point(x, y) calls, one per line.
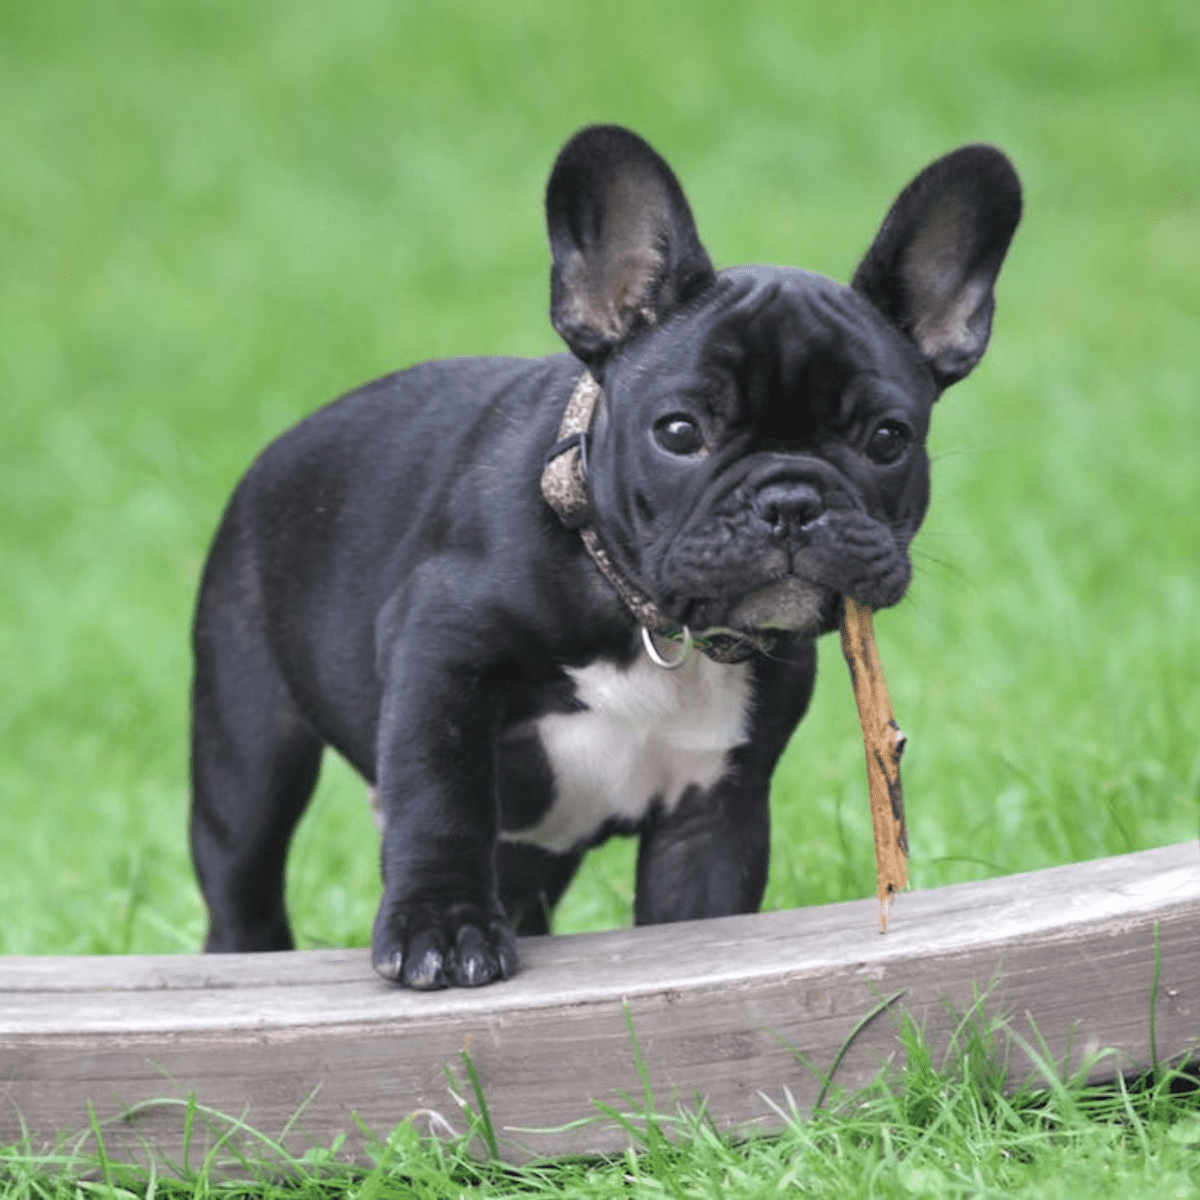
point(532, 881)
point(255, 760)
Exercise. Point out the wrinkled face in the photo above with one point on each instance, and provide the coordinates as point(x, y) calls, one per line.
point(762, 454)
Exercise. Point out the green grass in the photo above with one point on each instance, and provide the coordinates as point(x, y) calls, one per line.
point(938, 1127)
point(214, 217)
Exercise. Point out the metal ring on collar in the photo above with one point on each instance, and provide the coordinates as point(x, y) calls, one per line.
point(657, 657)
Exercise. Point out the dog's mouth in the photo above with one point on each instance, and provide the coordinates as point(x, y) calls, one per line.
point(798, 604)
point(754, 579)
point(791, 605)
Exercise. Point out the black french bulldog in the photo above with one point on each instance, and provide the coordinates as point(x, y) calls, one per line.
point(528, 630)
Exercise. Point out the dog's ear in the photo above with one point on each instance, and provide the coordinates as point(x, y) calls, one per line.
point(933, 265)
point(624, 245)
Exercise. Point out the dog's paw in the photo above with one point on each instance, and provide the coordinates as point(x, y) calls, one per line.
point(458, 945)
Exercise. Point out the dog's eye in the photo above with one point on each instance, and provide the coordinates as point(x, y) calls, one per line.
point(679, 434)
point(889, 442)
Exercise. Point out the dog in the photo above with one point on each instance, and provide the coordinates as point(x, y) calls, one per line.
point(536, 603)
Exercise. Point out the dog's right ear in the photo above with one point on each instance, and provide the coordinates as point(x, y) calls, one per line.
point(624, 245)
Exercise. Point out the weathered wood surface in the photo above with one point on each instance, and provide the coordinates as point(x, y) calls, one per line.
point(715, 1004)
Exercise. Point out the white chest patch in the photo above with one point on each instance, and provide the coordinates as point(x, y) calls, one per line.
point(647, 735)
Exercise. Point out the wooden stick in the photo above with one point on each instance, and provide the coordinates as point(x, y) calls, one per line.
point(883, 743)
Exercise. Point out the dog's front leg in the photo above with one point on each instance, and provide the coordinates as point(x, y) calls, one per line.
point(707, 858)
point(440, 922)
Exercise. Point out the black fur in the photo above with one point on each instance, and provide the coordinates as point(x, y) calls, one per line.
point(388, 581)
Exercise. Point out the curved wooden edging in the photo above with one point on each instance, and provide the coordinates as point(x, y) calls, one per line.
point(715, 1004)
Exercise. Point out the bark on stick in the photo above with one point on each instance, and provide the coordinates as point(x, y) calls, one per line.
point(883, 742)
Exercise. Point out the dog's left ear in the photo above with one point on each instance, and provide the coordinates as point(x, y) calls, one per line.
point(933, 265)
point(624, 245)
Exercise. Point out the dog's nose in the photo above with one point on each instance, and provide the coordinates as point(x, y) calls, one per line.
point(788, 508)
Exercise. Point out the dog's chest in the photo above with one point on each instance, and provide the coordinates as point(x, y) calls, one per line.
point(643, 736)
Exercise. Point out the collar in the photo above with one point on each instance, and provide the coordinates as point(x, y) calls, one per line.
point(564, 488)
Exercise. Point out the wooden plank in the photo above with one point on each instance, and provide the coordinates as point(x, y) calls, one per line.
point(716, 1006)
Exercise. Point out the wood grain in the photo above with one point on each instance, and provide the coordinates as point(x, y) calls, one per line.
point(722, 1010)
point(883, 745)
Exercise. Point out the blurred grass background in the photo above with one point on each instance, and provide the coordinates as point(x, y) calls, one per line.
point(216, 216)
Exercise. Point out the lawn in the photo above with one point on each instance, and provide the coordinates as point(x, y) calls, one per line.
point(215, 217)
